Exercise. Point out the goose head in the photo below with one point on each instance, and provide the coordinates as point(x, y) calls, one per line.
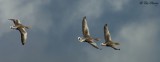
point(103, 44)
point(81, 39)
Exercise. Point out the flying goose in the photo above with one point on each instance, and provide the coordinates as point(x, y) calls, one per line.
point(108, 41)
point(86, 35)
point(21, 28)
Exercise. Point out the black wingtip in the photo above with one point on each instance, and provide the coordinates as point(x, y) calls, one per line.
point(23, 43)
point(106, 24)
point(10, 19)
point(84, 17)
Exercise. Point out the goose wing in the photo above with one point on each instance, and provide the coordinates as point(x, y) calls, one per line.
point(18, 21)
point(106, 33)
point(85, 29)
point(94, 45)
point(15, 21)
point(23, 35)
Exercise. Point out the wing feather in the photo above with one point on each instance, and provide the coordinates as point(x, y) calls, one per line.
point(85, 29)
point(94, 45)
point(23, 35)
point(15, 21)
point(106, 33)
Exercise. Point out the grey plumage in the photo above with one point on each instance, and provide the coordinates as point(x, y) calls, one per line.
point(108, 41)
point(21, 28)
point(86, 35)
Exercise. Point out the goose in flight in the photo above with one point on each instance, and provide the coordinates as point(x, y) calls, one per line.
point(21, 28)
point(86, 35)
point(108, 41)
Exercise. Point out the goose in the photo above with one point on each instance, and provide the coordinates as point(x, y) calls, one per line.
point(108, 41)
point(21, 28)
point(86, 35)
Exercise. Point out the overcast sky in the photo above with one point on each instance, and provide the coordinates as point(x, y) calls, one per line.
point(56, 24)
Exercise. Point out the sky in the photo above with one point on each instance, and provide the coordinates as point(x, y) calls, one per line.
point(56, 26)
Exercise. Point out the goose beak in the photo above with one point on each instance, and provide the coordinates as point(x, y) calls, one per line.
point(80, 39)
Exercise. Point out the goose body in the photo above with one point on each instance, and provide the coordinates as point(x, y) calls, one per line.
point(21, 28)
point(86, 35)
point(108, 41)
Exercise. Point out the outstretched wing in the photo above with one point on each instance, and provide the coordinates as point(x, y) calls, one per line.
point(23, 35)
point(106, 33)
point(94, 45)
point(15, 21)
point(18, 21)
point(85, 29)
